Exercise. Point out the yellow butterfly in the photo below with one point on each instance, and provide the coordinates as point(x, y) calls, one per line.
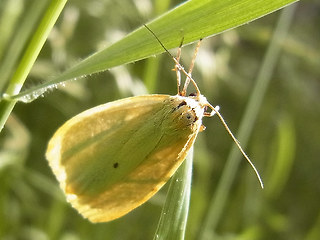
point(112, 158)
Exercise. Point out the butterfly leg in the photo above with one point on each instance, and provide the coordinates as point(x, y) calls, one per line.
point(177, 68)
point(186, 84)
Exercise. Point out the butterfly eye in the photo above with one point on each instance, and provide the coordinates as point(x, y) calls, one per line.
point(191, 117)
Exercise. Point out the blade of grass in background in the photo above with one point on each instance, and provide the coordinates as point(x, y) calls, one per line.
point(192, 20)
point(282, 160)
point(11, 11)
point(248, 121)
point(23, 32)
point(174, 214)
point(30, 56)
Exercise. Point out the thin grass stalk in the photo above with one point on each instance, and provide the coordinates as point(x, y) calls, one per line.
point(40, 36)
point(173, 219)
point(254, 105)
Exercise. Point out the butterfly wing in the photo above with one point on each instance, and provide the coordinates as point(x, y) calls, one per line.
point(112, 158)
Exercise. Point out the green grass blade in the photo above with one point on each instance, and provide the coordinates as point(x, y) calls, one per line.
point(283, 159)
point(9, 15)
point(23, 32)
point(173, 220)
point(29, 57)
point(192, 20)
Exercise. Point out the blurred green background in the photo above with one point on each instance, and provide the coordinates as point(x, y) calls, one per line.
point(284, 144)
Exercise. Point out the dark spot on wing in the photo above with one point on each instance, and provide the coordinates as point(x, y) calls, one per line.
point(181, 104)
point(115, 165)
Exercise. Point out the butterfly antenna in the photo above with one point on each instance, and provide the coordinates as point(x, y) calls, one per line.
point(177, 69)
point(178, 65)
point(216, 111)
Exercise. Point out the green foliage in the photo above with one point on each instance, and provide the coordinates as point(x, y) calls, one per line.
point(281, 136)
